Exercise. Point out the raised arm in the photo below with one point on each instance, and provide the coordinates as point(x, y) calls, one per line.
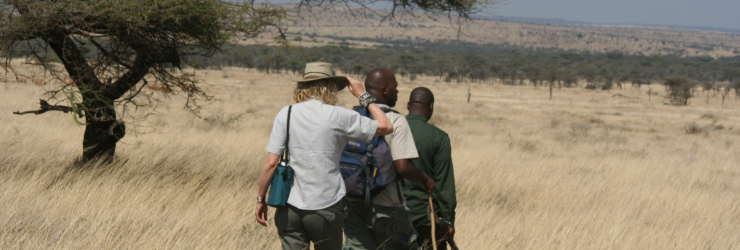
point(384, 125)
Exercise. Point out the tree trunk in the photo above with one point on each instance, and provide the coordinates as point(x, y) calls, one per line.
point(102, 132)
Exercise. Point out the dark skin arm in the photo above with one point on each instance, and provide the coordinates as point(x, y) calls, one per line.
point(407, 170)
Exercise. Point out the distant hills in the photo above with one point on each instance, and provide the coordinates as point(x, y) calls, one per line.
point(560, 21)
point(532, 20)
point(346, 25)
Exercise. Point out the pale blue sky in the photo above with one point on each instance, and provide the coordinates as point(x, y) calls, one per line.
point(705, 13)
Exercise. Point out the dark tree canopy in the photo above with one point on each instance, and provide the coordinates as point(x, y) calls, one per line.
point(130, 39)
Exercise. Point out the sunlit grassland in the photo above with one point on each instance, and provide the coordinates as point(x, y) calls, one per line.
point(585, 170)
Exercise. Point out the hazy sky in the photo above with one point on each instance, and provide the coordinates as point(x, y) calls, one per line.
point(705, 13)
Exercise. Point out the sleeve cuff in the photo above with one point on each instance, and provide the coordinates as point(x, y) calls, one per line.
point(275, 151)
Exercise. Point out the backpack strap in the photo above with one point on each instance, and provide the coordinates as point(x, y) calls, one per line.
point(368, 174)
point(388, 110)
point(286, 157)
point(368, 166)
point(385, 110)
point(399, 185)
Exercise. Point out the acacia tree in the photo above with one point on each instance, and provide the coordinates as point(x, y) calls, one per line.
point(130, 39)
point(124, 41)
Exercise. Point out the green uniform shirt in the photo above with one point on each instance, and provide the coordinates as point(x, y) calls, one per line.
point(435, 160)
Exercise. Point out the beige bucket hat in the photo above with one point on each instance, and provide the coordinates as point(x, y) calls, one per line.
point(322, 70)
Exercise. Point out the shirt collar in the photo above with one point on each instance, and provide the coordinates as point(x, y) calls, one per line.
point(416, 117)
point(313, 99)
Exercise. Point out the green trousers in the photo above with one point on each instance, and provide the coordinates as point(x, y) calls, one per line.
point(384, 228)
point(297, 228)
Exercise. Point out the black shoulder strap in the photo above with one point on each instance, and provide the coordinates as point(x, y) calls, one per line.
point(368, 174)
point(385, 110)
point(287, 136)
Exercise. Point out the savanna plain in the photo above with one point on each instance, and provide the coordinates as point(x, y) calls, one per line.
point(588, 169)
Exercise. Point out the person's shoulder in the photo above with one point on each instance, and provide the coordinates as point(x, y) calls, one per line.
point(344, 111)
point(395, 118)
point(284, 110)
point(393, 113)
point(435, 130)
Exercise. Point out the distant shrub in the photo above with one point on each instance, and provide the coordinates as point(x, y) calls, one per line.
point(607, 85)
point(614, 55)
point(736, 86)
point(595, 120)
point(708, 116)
point(693, 128)
point(221, 120)
point(679, 90)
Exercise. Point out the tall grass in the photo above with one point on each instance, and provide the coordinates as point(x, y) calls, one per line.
point(587, 170)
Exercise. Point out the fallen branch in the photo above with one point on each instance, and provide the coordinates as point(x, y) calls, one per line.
point(46, 107)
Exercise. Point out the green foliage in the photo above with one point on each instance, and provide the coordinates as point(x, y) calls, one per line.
point(460, 61)
point(614, 55)
point(679, 90)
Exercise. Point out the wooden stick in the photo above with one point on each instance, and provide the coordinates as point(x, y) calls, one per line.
point(434, 234)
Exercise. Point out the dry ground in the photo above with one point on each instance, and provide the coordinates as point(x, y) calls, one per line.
point(586, 170)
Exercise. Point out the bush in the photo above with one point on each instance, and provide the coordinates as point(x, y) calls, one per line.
point(693, 128)
point(679, 90)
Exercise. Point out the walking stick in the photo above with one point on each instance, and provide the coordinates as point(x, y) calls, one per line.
point(434, 234)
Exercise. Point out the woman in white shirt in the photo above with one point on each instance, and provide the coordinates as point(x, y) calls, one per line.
point(319, 130)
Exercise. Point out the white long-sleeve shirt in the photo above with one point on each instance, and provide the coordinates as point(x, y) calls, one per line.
point(318, 133)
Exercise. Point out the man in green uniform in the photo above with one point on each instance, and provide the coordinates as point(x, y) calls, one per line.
point(433, 147)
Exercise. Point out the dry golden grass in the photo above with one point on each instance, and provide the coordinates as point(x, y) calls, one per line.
point(586, 170)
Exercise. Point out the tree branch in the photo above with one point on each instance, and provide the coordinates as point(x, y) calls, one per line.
point(138, 70)
point(106, 53)
point(74, 61)
point(46, 107)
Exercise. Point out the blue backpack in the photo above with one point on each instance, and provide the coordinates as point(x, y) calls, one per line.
point(366, 167)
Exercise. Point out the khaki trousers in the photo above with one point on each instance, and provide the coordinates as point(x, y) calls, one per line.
point(297, 228)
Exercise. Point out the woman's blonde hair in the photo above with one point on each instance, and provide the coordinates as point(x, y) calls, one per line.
point(323, 90)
